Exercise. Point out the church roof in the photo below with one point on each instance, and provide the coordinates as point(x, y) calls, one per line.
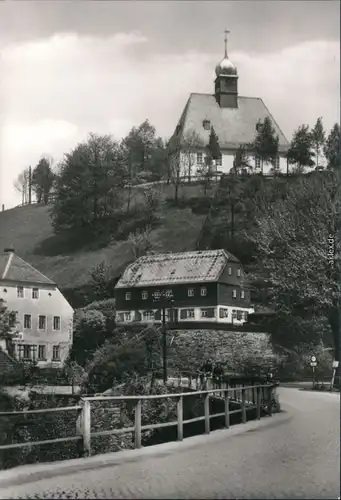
point(14, 268)
point(177, 268)
point(233, 126)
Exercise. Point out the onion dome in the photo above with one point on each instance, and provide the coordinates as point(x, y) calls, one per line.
point(226, 67)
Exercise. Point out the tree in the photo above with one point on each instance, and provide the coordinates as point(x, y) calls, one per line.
point(318, 138)
point(42, 180)
point(265, 144)
point(100, 282)
point(332, 148)
point(241, 163)
point(213, 153)
point(21, 184)
point(141, 242)
point(7, 323)
point(89, 186)
point(189, 144)
point(300, 150)
point(299, 253)
point(174, 164)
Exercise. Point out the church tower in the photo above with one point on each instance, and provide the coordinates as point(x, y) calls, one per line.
point(226, 83)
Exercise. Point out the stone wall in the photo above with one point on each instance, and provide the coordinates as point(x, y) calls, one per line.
point(236, 349)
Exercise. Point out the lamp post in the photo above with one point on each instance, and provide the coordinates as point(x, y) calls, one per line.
point(164, 300)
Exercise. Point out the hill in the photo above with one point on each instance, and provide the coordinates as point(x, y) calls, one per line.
point(66, 260)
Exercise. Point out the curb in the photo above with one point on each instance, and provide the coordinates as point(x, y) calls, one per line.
point(35, 472)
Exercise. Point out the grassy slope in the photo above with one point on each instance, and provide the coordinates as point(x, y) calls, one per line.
point(27, 228)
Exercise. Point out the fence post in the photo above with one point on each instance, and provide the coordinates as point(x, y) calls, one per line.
point(207, 413)
point(83, 427)
point(269, 395)
point(227, 409)
point(243, 406)
point(138, 424)
point(258, 402)
point(180, 418)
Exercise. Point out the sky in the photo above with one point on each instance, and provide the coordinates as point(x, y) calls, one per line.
point(69, 68)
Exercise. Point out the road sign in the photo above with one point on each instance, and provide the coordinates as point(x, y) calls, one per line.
point(313, 363)
point(313, 359)
point(335, 364)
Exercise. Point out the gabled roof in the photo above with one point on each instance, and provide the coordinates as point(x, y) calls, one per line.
point(176, 268)
point(233, 126)
point(14, 268)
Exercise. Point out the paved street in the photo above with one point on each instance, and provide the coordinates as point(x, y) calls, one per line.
point(296, 457)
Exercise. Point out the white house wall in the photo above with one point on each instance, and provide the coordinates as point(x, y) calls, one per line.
point(50, 303)
point(188, 163)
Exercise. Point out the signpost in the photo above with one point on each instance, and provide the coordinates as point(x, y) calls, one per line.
point(313, 364)
point(335, 367)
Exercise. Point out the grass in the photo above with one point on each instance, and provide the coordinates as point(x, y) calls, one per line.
point(28, 230)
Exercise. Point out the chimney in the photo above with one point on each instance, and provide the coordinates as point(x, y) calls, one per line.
point(9, 250)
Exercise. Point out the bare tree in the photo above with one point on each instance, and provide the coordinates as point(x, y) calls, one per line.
point(190, 143)
point(141, 242)
point(21, 184)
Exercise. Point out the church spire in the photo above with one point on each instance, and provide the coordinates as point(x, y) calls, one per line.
point(225, 41)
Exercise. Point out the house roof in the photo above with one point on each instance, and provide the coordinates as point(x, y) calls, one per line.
point(14, 268)
point(233, 126)
point(176, 268)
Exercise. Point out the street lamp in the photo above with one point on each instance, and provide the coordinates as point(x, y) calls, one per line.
point(164, 300)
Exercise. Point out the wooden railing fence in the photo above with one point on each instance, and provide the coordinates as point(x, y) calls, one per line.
point(261, 399)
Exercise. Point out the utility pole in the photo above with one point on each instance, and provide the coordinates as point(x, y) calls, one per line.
point(164, 335)
point(29, 185)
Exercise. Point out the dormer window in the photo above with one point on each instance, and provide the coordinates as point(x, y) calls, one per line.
point(206, 124)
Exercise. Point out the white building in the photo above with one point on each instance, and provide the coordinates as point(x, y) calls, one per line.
point(42, 317)
point(235, 120)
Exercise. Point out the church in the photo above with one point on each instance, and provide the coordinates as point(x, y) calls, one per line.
point(235, 119)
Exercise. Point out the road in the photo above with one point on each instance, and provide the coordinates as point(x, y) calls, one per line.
point(295, 457)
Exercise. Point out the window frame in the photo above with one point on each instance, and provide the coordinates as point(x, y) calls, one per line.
point(203, 291)
point(229, 270)
point(127, 316)
point(201, 156)
point(234, 293)
point(59, 324)
point(41, 347)
point(242, 294)
point(20, 295)
point(45, 322)
point(206, 124)
point(56, 348)
point(30, 321)
point(239, 272)
point(33, 293)
point(128, 296)
point(190, 290)
point(150, 314)
point(258, 163)
point(144, 295)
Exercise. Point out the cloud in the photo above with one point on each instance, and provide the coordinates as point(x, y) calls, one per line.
point(57, 90)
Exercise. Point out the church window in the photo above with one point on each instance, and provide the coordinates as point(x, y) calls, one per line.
point(199, 158)
point(206, 124)
point(257, 162)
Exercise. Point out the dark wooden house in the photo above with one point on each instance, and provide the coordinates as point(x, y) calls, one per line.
point(200, 286)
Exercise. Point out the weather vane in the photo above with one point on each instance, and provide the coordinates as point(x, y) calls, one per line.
point(225, 40)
